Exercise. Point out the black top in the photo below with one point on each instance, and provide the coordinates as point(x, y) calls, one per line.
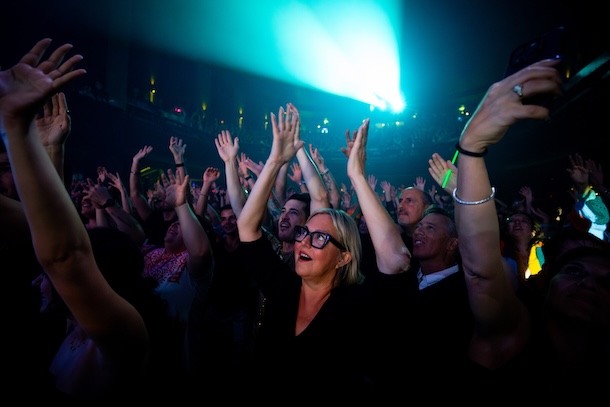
point(328, 358)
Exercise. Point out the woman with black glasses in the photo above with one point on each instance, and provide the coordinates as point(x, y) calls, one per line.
point(316, 325)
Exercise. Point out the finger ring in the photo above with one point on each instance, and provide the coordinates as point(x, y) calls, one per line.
point(68, 111)
point(518, 89)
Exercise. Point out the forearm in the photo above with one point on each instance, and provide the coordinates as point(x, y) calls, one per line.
point(478, 224)
point(279, 187)
point(391, 253)
point(127, 223)
point(126, 201)
point(56, 153)
point(492, 299)
point(195, 238)
point(134, 178)
point(251, 218)
point(334, 197)
point(315, 187)
point(56, 227)
point(237, 196)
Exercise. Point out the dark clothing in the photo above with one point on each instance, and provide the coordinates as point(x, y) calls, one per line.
point(328, 359)
point(428, 332)
point(228, 320)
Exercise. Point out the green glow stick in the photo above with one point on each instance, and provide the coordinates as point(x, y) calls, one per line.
point(449, 172)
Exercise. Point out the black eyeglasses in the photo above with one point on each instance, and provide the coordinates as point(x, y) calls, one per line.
point(317, 239)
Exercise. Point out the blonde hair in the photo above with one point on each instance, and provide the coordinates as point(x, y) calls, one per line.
point(349, 237)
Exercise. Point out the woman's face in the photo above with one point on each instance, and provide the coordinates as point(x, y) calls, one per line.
point(520, 227)
point(314, 263)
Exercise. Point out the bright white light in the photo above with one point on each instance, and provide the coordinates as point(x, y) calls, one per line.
point(345, 47)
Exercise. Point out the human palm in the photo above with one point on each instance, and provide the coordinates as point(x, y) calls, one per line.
point(54, 124)
point(26, 86)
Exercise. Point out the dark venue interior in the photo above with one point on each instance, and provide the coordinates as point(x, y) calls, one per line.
point(465, 48)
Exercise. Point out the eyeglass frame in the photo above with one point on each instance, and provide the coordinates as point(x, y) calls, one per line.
point(327, 238)
point(525, 221)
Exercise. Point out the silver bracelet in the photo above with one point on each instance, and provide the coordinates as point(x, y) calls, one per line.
point(489, 198)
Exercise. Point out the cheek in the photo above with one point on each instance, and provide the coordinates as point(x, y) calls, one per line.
point(559, 288)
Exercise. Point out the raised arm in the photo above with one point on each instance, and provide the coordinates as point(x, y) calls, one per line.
point(334, 197)
point(178, 149)
point(54, 127)
point(203, 207)
point(106, 206)
point(311, 177)
point(284, 148)
point(228, 149)
point(114, 181)
point(195, 238)
point(392, 255)
point(60, 239)
point(443, 172)
point(140, 203)
point(501, 319)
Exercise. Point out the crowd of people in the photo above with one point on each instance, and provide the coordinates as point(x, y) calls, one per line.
point(271, 282)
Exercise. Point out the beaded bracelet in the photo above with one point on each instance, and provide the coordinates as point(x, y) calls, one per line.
point(469, 153)
point(180, 165)
point(458, 200)
point(325, 172)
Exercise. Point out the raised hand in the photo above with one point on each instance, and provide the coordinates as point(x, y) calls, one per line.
point(102, 174)
point(420, 183)
point(372, 182)
point(285, 135)
point(526, 192)
point(579, 173)
point(177, 148)
point(26, 87)
point(143, 152)
point(432, 191)
point(54, 124)
point(317, 157)
point(241, 165)
point(349, 143)
point(438, 169)
point(386, 187)
point(97, 194)
point(176, 186)
point(256, 168)
point(114, 181)
point(297, 174)
point(226, 146)
point(356, 151)
point(596, 174)
point(501, 107)
point(211, 175)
